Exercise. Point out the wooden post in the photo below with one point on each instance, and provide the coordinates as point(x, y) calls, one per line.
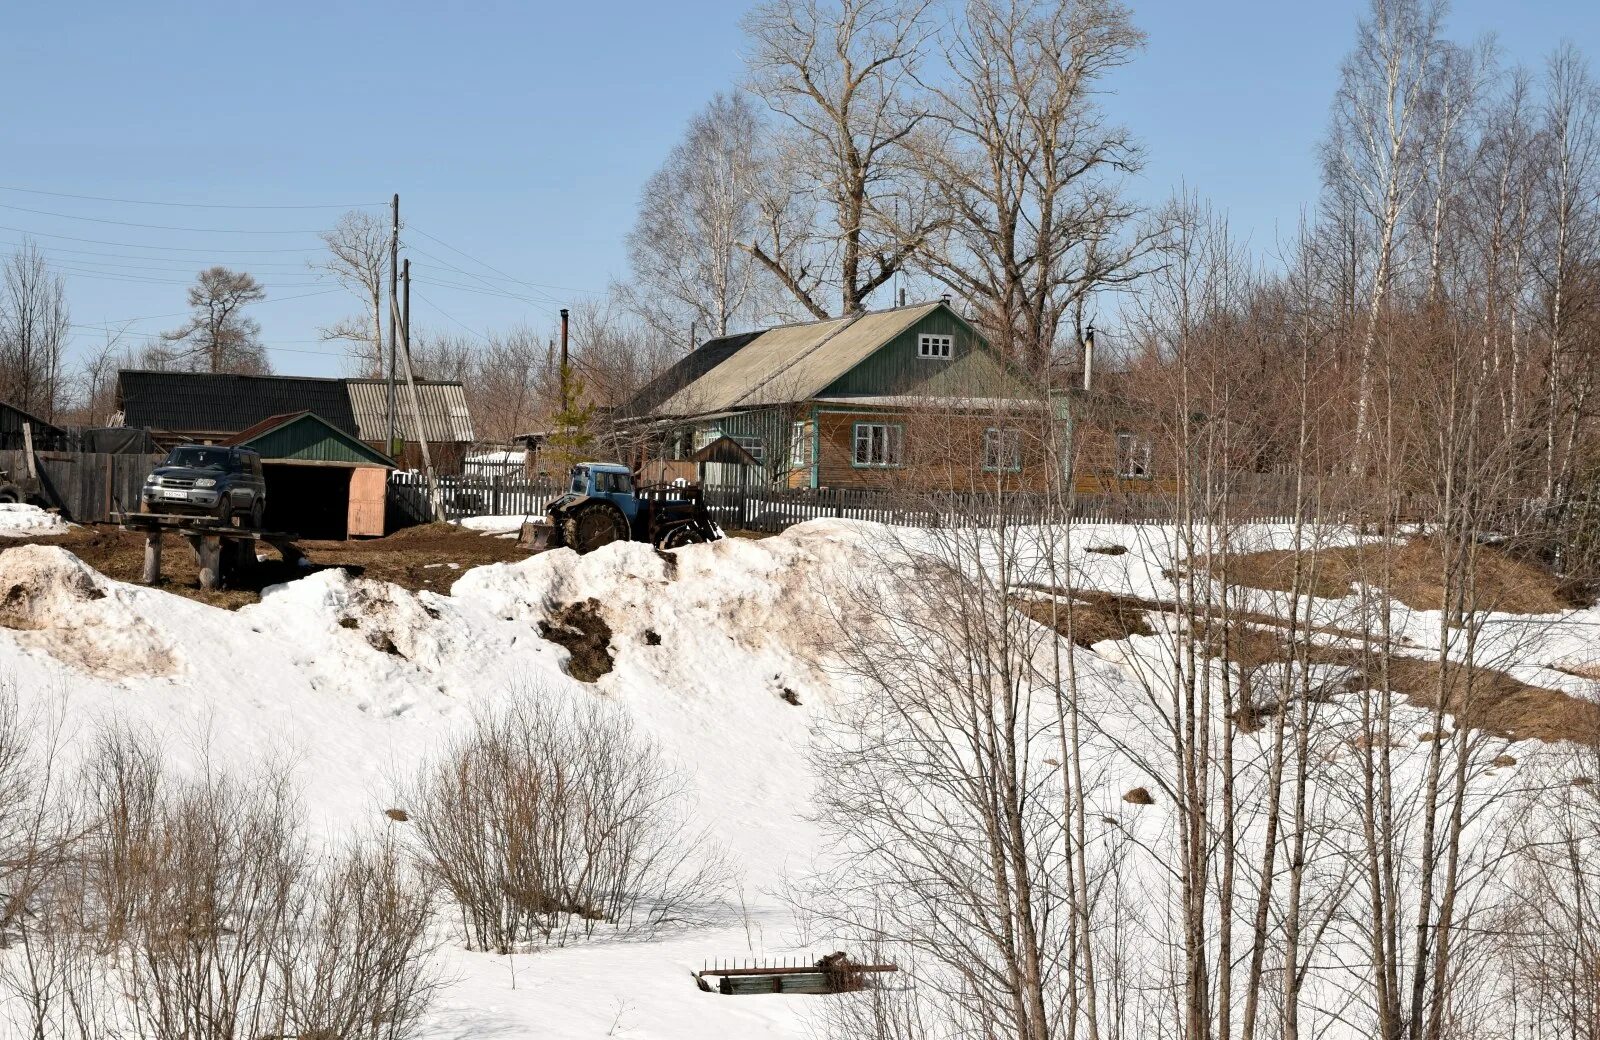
point(209, 548)
point(27, 443)
point(152, 557)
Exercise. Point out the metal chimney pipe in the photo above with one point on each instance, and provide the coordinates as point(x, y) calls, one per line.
point(1088, 359)
point(564, 402)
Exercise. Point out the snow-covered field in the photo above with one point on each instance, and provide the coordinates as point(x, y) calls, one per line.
point(354, 682)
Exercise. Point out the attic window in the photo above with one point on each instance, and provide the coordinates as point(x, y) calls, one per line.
point(935, 348)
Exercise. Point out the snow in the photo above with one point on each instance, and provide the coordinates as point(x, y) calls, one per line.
point(356, 681)
point(19, 520)
point(508, 524)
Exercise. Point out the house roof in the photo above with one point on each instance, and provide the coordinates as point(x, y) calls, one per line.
point(306, 436)
point(221, 404)
point(686, 370)
point(791, 362)
point(444, 410)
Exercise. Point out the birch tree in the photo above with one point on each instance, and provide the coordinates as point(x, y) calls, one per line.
point(34, 323)
point(358, 258)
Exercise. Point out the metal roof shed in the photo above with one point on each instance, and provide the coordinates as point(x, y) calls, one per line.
point(321, 482)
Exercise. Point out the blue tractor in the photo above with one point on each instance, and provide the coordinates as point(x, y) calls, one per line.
point(601, 505)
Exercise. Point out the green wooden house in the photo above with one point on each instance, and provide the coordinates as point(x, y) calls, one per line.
point(912, 395)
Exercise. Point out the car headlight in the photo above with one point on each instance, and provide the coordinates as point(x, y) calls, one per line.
point(205, 482)
point(152, 479)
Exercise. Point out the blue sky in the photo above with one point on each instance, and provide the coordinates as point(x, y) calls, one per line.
point(519, 134)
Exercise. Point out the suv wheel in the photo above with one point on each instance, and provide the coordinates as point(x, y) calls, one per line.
point(258, 514)
point(225, 507)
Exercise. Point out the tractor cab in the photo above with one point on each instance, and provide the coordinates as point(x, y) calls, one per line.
point(609, 481)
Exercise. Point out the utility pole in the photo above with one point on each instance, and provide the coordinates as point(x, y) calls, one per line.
point(692, 328)
point(394, 306)
point(417, 427)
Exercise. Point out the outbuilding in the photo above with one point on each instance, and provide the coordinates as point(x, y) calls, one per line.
point(321, 482)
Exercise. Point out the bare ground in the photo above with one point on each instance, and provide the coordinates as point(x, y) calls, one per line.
point(416, 558)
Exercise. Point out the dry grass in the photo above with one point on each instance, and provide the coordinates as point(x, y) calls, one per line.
point(1091, 617)
point(1414, 577)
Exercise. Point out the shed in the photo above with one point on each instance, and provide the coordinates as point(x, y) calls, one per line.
point(321, 481)
point(47, 436)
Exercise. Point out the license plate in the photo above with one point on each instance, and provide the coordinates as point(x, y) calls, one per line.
point(175, 494)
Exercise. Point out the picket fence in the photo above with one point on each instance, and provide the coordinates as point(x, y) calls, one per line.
point(764, 509)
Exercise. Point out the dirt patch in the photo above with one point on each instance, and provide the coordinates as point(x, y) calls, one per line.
point(1139, 796)
point(1413, 573)
point(584, 633)
point(1093, 617)
point(1108, 550)
point(402, 558)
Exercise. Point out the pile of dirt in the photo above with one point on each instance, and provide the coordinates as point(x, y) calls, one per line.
point(580, 629)
point(1413, 572)
point(1090, 617)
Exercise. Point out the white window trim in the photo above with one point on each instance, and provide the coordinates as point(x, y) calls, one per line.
point(1003, 437)
point(894, 445)
point(934, 346)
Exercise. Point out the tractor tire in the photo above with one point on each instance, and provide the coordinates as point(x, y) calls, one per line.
point(594, 525)
point(10, 493)
point(679, 535)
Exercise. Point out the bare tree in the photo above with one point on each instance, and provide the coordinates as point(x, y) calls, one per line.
point(694, 213)
point(1033, 170)
point(33, 331)
point(358, 257)
point(219, 337)
point(841, 75)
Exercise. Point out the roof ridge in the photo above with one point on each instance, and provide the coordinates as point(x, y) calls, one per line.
point(850, 319)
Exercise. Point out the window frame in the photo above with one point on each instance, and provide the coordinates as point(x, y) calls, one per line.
point(1133, 447)
point(928, 341)
point(802, 454)
point(1000, 435)
point(894, 445)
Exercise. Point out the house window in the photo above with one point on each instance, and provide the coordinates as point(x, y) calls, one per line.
point(1002, 450)
point(800, 453)
point(879, 444)
point(935, 347)
point(755, 446)
point(1133, 456)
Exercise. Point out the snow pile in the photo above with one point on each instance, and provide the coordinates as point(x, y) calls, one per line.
point(20, 520)
point(501, 525)
point(53, 603)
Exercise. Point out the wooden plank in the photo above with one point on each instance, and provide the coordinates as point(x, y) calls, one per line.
point(369, 490)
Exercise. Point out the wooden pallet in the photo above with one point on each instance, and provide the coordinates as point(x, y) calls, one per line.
point(220, 548)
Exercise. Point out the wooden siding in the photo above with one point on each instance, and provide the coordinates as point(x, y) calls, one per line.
point(895, 368)
point(311, 439)
point(939, 453)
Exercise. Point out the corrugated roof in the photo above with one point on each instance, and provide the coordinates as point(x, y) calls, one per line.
point(221, 403)
point(444, 411)
point(792, 362)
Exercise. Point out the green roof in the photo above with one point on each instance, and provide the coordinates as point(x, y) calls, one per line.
point(307, 437)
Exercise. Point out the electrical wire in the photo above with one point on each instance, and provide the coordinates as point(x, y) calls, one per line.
point(190, 205)
point(163, 227)
point(143, 245)
point(496, 270)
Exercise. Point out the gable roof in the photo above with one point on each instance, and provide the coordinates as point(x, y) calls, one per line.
point(276, 437)
point(221, 404)
point(792, 362)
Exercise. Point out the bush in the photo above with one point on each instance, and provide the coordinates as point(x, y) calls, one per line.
point(543, 822)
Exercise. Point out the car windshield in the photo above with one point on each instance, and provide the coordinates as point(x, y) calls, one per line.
point(201, 458)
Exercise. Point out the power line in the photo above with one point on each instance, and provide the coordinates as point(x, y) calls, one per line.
point(189, 205)
point(496, 270)
point(187, 263)
point(452, 317)
point(106, 326)
point(143, 245)
point(161, 227)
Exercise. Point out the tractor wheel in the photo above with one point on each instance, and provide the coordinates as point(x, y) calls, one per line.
point(680, 535)
point(594, 525)
point(10, 493)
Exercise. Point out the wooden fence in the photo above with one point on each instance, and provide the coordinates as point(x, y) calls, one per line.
point(86, 486)
point(753, 508)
